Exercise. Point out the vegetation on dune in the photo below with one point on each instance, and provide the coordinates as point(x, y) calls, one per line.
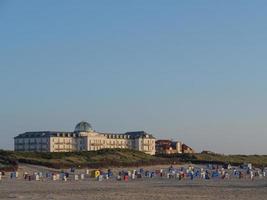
point(101, 158)
point(7, 162)
point(212, 158)
point(119, 157)
point(256, 160)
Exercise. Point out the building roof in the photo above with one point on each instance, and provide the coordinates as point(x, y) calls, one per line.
point(84, 127)
point(138, 134)
point(39, 134)
point(163, 142)
point(44, 134)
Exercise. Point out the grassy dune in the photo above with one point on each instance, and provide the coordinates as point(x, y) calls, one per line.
point(200, 158)
point(101, 158)
point(256, 160)
point(119, 157)
point(7, 162)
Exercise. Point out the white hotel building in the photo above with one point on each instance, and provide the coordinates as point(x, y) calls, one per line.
point(84, 138)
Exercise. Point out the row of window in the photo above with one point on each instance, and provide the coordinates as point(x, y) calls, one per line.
point(32, 140)
point(117, 136)
point(109, 142)
point(95, 148)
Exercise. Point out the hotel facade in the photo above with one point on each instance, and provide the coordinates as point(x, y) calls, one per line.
point(84, 138)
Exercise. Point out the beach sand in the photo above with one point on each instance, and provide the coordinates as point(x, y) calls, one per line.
point(145, 188)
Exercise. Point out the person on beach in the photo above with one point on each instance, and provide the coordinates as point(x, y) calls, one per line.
point(25, 175)
point(191, 175)
point(161, 172)
point(251, 175)
point(207, 175)
point(202, 173)
point(240, 175)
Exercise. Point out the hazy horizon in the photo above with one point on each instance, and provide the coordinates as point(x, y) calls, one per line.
point(193, 71)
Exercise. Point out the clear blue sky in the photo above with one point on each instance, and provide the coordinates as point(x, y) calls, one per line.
point(195, 71)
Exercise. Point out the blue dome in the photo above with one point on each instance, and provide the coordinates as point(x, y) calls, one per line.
point(83, 127)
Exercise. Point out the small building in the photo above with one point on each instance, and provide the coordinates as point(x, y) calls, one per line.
point(84, 138)
point(172, 147)
point(168, 147)
point(207, 152)
point(187, 149)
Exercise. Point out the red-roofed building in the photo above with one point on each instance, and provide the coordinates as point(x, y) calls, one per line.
point(187, 149)
point(172, 147)
point(168, 147)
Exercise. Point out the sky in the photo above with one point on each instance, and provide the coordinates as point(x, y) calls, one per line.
point(187, 70)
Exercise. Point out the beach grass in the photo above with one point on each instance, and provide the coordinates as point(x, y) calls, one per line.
point(120, 157)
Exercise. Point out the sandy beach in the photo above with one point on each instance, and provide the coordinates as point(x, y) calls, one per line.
point(145, 188)
point(133, 190)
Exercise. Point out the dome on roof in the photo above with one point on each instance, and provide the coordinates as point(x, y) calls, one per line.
point(83, 127)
